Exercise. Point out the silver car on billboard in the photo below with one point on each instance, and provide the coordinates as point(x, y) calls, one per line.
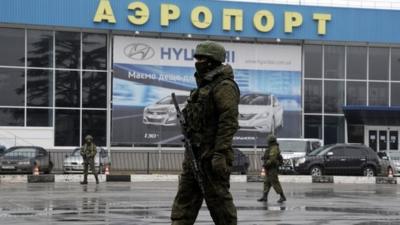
point(163, 113)
point(260, 112)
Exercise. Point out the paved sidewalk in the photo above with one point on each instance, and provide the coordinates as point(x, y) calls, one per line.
point(139, 203)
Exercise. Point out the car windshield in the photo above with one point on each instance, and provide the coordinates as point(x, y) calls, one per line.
point(77, 152)
point(292, 146)
point(255, 99)
point(394, 155)
point(319, 150)
point(20, 152)
point(168, 100)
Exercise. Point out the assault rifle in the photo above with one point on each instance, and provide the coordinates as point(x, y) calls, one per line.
point(188, 146)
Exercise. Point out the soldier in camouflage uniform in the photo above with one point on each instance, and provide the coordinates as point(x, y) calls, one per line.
point(272, 161)
point(212, 120)
point(88, 152)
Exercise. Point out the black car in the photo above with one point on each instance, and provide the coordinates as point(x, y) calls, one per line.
point(340, 159)
point(23, 159)
point(294, 148)
point(2, 149)
point(240, 163)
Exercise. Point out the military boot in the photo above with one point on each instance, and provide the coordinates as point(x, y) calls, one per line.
point(97, 179)
point(84, 179)
point(84, 182)
point(282, 198)
point(264, 198)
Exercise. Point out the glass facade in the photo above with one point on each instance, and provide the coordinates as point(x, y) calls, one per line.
point(55, 79)
point(356, 63)
point(59, 79)
point(349, 76)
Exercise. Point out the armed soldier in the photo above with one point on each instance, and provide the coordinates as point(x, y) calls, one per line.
point(88, 152)
point(212, 119)
point(272, 160)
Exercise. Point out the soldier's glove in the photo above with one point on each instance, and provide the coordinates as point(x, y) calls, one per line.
point(219, 165)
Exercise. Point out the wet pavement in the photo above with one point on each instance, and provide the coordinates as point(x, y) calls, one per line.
point(150, 203)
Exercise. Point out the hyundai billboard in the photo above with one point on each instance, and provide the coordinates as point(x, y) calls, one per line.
point(148, 70)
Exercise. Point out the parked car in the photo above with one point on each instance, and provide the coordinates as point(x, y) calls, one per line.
point(2, 149)
point(73, 163)
point(23, 159)
point(393, 161)
point(340, 159)
point(240, 163)
point(163, 112)
point(260, 112)
point(293, 149)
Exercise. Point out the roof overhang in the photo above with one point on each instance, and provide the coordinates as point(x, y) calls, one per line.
point(372, 115)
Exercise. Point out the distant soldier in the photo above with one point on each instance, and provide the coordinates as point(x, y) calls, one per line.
point(212, 119)
point(88, 152)
point(272, 160)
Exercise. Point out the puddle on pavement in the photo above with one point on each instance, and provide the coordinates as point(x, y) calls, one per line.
point(353, 210)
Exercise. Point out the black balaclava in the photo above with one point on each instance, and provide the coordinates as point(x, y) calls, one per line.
point(206, 66)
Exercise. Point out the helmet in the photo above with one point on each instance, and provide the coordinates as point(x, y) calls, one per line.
point(88, 137)
point(271, 138)
point(211, 50)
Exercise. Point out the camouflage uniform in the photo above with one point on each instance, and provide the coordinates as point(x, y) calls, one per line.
point(88, 152)
point(271, 164)
point(212, 118)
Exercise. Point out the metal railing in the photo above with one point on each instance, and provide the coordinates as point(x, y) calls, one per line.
point(147, 161)
point(170, 161)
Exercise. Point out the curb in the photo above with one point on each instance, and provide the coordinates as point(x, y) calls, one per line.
point(322, 179)
point(329, 179)
point(118, 178)
point(153, 177)
point(48, 178)
point(72, 178)
point(13, 178)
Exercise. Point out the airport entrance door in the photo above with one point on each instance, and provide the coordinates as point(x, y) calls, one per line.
point(382, 138)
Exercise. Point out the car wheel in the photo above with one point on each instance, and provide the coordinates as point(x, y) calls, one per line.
point(50, 168)
point(316, 171)
point(369, 171)
point(243, 170)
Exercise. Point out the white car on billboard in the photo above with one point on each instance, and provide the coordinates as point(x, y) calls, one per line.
point(163, 113)
point(260, 112)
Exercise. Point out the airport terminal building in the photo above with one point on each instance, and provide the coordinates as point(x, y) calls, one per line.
point(108, 67)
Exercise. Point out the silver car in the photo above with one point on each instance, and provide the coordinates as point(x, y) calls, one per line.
point(260, 112)
point(163, 112)
point(293, 149)
point(73, 163)
point(393, 156)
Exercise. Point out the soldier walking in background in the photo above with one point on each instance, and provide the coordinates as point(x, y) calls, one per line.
point(272, 160)
point(88, 152)
point(211, 117)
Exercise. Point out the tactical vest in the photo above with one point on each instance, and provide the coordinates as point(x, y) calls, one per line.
point(200, 114)
point(89, 150)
